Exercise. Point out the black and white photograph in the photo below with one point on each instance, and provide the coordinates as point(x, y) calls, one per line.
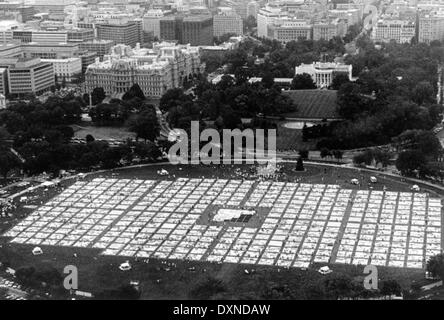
point(220, 158)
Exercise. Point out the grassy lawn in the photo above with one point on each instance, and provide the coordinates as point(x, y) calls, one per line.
point(317, 104)
point(160, 279)
point(102, 133)
point(291, 139)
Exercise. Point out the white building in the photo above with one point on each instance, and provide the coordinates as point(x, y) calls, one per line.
point(28, 75)
point(49, 37)
point(2, 101)
point(151, 22)
point(252, 9)
point(431, 26)
point(6, 27)
point(227, 21)
point(156, 70)
point(323, 73)
point(118, 75)
point(329, 29)
point(267, 16)
point(286, 29)
point(401, 31)
point(352, 16)
point(66, 68)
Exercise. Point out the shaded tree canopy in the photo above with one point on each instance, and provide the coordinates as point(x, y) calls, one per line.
point(303, 81)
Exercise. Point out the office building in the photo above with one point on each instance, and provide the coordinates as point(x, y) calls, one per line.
point(21, 35)
point(4, 87)
point(80, 35)
point(252, 9)
point(11, 50)
point(49, 37)
point(431, 26)
point(327, 30)
point(285, 30)
point(227, 21)
point(155, 70)
point(28, 75)
point(265, 17)
point(50, 51)
point(128, 33)
point(400, 31)
point(87, 58)
point(2, 101)
point(67, 69)
point(101, 47)
point(350, 16)
point(151, 22)
point(195, 29)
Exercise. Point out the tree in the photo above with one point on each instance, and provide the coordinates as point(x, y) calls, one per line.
point(89, 138)
point(337, 154)
point(236, 59)
point(124, 292)
point(302, 82)
point(146, 151)
point(325, 153)
point(423, 93)
point(365, 157)
point(231, 120)
point(267, 80)
point(98, 95)
point(207, 288)
point(410, 161)
point(4, 136)
point(351, 101)
point(111, 158)
point(224, 38)
point(352, 32)
point(435, 265)
point(145, 125)
point(12, 121)
point(300, 165)
point(134, 92)
point(24, 274)
point(338, 286)
point(8, 162)
point(249, 23)
point(338, 80)
point(303, 153)
point(173, 98)
point(390, 287)
point(382, 157)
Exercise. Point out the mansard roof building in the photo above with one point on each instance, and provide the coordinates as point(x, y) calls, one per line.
point(155, 70)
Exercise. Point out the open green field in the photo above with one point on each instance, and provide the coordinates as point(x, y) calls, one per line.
point(291, 139)
point(313, 104)
point(174, 280)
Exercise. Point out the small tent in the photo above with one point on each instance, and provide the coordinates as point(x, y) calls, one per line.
point(37, 251)
point(125, 266)
point(325, 270)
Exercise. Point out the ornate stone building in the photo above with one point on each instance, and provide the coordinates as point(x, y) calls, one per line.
point(155, 70)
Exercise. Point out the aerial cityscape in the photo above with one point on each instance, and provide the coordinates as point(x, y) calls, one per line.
point(221, 150)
